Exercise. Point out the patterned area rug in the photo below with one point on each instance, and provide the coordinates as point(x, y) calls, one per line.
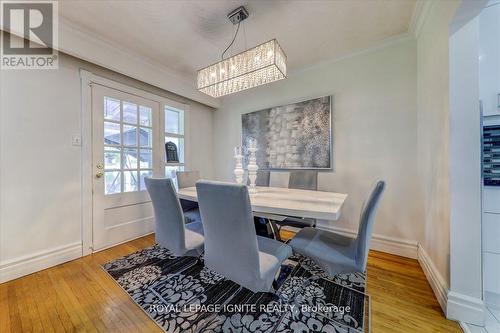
point(181, 295)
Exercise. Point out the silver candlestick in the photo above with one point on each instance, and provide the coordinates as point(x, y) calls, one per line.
point(252, 164)
point(238, 169)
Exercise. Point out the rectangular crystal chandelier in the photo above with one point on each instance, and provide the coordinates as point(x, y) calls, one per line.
point(254, 67)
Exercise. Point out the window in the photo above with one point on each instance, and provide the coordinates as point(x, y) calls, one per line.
point(174, 132)
point(128, 146)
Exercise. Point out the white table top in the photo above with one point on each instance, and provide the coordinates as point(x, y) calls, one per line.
point(289, 202)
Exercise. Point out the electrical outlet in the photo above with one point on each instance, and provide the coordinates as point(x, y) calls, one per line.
point(76, 140)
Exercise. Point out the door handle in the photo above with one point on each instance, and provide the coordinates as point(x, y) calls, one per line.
point(99, 174)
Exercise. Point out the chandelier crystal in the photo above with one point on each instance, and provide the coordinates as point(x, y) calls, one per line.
point(254, 67)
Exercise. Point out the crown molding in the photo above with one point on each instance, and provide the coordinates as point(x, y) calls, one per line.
point(420, 12)
point(492, 3)
point(85, 45)
point(375, 47)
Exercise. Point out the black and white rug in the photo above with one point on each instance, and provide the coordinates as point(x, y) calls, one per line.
point(181, 295)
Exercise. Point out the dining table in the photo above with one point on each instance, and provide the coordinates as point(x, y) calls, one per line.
point(278, 203)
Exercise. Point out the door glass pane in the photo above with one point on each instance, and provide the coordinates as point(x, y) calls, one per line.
point(145, 116)
point(129, 158)
point(144, 174)
point(129, 113)
point(179, 142)
point(128, 145)
point(129, 135)
point(173, 121)
point(146, 159)
point(170, 172)
point(145, 137)
point(111, 109)
point(112, 182)
point(130, 181)
point(112, 158)
point(111, 133)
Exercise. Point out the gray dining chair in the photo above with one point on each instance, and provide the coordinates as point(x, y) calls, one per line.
point(190, 208)
point(336, 253)
point(170, 230)
point(231, 246)
point(263, 178)
point(301, 180)
point(263, 225)
point(187, 178)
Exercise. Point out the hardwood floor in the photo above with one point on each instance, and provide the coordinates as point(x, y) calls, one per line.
point(80, 297)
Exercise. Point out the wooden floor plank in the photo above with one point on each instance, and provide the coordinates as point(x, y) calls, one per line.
point(80, 297)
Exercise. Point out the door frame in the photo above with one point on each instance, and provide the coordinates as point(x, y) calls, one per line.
point(87, 79)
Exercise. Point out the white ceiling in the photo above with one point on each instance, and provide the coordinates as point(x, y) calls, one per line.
point(188, 35)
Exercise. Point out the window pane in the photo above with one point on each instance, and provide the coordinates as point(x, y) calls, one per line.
point(112, 158)
point(144, 174)
point(111, 109)
point(146, 159)
point(129, 158)
point(112, 182)
point(129, 113)
point(173, 121)
point(179, 142)
point(129, 135)
point(145, 137)
point(130, 183)
point(170, 172)
point(145, 116)
point(111, 133)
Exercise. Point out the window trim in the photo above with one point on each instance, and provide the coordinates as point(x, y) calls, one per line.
point(186, 136)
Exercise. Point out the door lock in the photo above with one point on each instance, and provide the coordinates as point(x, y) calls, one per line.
point(100, 166)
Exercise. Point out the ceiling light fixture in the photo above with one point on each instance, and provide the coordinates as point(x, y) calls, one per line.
point(254, 67)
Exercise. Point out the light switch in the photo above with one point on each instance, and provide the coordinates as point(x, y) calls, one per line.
point(76, 140)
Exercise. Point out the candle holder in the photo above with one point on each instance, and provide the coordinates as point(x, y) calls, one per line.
point(252, 165)
point(238, 169)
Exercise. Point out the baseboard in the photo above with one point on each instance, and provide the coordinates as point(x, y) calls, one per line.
point(18, 267)
point(456, 306)
point(123, 242)
point(437, 282)
point(465, 308)
point(468, 328)
point(465, 328)
point(397, 246)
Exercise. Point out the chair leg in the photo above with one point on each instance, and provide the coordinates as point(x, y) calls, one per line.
point(275, 286)
point(274, 229)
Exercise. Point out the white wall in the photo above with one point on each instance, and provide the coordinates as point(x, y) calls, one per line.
point(375, 133)
point(489, 75)
point(449, 155)
point(40, 170)
point(465, 177)
point(433, 134)
point(489, 84)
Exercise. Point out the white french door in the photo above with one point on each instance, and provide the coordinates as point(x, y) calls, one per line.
point(127, 146)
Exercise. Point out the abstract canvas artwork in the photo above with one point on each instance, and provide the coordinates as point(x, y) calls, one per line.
point(292, 136)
